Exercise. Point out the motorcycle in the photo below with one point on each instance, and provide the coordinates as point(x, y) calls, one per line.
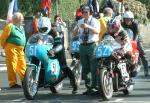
point(136, 60)
point(113, 74)
point(42, 70)
point(76, 64)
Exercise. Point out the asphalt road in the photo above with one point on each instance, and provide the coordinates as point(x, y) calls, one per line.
point(140, 94)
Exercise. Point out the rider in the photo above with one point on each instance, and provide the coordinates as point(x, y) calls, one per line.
point(128, 23)
point(45, 29)
point(116, 31)
point(59, 52)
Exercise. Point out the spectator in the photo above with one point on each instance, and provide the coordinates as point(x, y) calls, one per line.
point(79, 13)
point(103, 21)
point(88, 29)
point(60, 27)
point(13, 41)
point(35, 23)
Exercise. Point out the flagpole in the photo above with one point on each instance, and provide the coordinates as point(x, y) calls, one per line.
point(10, 11)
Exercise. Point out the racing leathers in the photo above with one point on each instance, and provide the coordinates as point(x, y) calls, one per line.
point(59, 52)
point(126, 47)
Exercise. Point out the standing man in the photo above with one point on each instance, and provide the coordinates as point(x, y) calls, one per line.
point(88, 29)
point(13, 41)
point(103, 21)
point(128, 23)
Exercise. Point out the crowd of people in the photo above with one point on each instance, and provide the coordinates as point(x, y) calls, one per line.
point(90, 31)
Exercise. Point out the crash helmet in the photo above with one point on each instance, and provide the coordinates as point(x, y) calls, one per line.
point(128, 15)
point(44, 25)
point(113, 26)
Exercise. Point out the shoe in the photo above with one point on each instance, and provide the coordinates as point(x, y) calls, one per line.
point(91, 91)
point(146, 74)
point(75, 89)
point(88, 92)
point(16, 86)
point(53, 90)
point(95, 93)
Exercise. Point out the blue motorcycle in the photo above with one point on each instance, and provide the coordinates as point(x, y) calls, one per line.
point(113, 69)
point(76, 66)
point(42, 70)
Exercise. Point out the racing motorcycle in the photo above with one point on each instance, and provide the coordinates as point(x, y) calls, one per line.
point(42, 70)
point(113, 73)
point(136, 60)
point(76, 64)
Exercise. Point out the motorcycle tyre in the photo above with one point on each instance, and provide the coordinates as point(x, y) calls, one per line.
point(77, 70)
point(26, 83)
point(103, 73)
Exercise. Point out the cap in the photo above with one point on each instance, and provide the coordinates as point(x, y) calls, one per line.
point(86, 9)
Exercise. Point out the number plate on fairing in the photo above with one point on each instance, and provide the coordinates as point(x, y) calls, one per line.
point(123, 70)
point(103, 51)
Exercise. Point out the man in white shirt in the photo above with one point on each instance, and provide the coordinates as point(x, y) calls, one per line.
point(88, 29)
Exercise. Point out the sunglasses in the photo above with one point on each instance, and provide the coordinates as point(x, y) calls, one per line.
point(85, 12)
point(127, 19)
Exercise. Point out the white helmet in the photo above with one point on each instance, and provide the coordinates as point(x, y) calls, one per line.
point(44, 25)
point(128, 14)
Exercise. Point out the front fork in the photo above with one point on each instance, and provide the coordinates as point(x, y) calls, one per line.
point(36, 68)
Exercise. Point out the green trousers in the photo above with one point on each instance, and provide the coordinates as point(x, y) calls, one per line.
point(88, 62)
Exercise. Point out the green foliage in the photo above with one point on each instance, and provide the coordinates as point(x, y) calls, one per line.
point(147, 3)
point(66, 8)
point(3, 8)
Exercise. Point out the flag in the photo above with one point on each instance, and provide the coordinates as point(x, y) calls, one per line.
point(13, 7)
point(46, 6)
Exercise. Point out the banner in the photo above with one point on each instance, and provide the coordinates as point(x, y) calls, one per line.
point(46, 6)
point(13, 7)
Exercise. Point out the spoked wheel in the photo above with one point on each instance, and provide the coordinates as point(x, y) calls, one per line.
point(30, 84)
point(77, 70)
point(106, 84)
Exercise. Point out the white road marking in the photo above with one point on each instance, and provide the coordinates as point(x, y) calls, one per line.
point(19, 100)
point(128, 102)
point(3, 68)
point(147, 50)
point(120, 99)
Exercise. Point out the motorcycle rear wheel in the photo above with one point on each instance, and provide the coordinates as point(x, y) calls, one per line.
point(30, 85)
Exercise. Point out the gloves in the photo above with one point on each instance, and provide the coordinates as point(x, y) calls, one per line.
point(51, 53)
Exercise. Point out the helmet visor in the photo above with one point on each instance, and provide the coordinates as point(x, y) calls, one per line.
point(43, 29)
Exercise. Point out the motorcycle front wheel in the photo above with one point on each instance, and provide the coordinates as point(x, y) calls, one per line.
point(30, 84)
point(77, 70)
point(105, 84)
